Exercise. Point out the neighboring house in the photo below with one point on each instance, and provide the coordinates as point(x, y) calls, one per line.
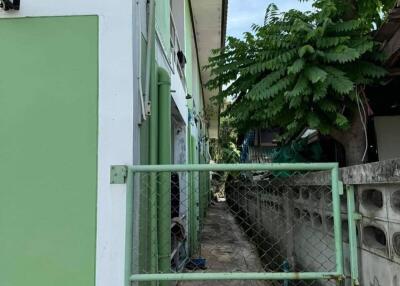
point(78, 83)
point(385, 100)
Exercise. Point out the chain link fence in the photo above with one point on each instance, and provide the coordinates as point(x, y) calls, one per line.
point(253, 223)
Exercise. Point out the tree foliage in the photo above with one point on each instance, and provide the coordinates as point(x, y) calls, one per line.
point(370, 11)
point(298, 70)
point(224, 148)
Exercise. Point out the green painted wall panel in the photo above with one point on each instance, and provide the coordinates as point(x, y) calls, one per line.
point(48, 150)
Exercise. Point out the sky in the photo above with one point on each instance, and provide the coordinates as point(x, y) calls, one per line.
point(243, 13)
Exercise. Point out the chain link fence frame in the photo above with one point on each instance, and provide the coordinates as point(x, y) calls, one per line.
point(126, 174)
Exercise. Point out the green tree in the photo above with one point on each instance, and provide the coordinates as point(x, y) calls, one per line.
point(302, 70)
point(223, 149)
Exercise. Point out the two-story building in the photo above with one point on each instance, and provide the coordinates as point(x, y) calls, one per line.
point(85, 85)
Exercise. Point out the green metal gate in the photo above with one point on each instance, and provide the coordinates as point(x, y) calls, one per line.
point(295, 231)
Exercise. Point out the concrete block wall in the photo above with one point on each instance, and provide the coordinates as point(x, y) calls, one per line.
point(305, 203)
point(295, 220)
point(379, 205)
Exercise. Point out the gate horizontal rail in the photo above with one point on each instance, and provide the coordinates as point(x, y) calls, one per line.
point(230, 276)
point(237, 167)
point(336, 189)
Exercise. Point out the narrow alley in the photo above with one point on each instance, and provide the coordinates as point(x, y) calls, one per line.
point(226, 248)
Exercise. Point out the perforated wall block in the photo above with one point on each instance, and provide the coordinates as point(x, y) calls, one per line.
point(372, 201)
point(394, 238)
point(375, 236)
point(393, 204)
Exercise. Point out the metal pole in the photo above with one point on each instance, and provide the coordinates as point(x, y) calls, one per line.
point(238, 167)
point(164, 187)
point(237, 276)
point(337, 221)
point(129, 228)
point(352, 217)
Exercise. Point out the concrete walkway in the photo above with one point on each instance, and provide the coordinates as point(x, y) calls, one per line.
point(226, 248)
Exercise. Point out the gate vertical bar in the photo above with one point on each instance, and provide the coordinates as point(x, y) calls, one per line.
point(337, 221)
point(129, 227)
point(351, 212)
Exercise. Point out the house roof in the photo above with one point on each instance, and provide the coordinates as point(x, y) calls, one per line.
point(210, 20)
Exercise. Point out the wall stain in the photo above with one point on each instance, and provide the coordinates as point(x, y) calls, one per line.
point(375, 282)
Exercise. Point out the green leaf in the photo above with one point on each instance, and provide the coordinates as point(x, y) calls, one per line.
point(341, 85)
point(364, 45)
point(338, 80)
point(313, 120)
point(297, 66)
point(307, 49)
point(341, 121)
point(328, 42)
point(341, 54)
point(266, 86)
point(346, 26)
point(327, 105)
point(371, 70)
point(315, 74)
point(320, 90)
point(299, 88)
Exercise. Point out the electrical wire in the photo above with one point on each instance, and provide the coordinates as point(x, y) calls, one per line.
point(363, 118)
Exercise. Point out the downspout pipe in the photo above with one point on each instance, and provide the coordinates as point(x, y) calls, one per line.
point(151, 101)
point(150, 54)
point(164, 180)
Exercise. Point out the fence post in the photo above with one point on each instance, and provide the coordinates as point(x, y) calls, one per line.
point(352, 217)
point(337, 221)
point(129, 227)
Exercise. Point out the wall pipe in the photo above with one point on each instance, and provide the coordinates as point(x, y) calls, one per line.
point(150, 53)
point(164, 179)
point(152, 94)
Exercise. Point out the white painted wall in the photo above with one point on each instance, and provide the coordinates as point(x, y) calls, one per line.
point(178, 11)
point(179, 96)
point(117, 144)
point(177, 87)
point(388, 137)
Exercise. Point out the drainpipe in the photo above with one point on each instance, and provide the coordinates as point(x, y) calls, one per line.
point(164, 180)
point(150, 54)
point(152, 97)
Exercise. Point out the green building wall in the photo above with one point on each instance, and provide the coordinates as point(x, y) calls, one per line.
point(48, 150)
point(195, 105)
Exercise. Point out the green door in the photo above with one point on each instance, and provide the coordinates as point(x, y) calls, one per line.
point(48, 150)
